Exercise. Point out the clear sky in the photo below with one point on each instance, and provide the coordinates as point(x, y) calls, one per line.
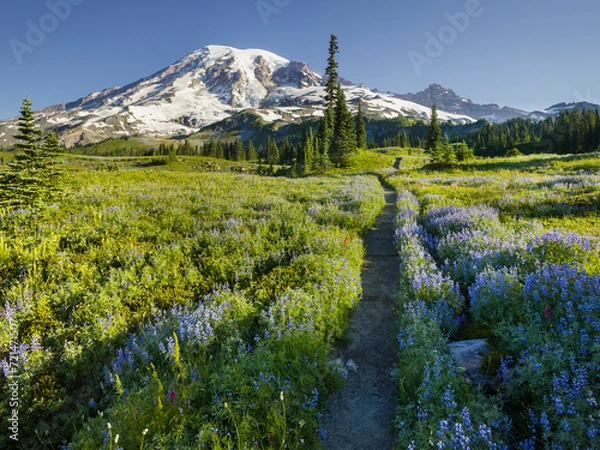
point(528, 54)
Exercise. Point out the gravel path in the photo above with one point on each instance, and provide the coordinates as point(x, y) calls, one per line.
point(361, 415)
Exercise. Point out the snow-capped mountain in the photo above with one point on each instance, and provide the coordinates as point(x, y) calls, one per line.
point(448, 100)
point(555, 110)
point(205, 87)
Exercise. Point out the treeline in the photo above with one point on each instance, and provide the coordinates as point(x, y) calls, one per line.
point(235, 150)
point(403, 139)
point(284, 153)
point(573, 131)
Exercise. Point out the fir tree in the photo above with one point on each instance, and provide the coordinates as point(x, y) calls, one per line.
point(272, 156)
point(361, 131)
point(32, 177)
point(437, 154)
point(331, 72)
point(306, 154)
point(251, 152)
point(464, 153)
point(211, 149)
point(324, 139)
point(449, 156)
point(239, 153)
point(220, 151)
point(316, 162)
point(287, 152)
point(50, 150)
point(434, 138)
point(344, 140)
point(324, 135)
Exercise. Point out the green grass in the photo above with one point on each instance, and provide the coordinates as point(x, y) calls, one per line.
point(118, 147)
point(271, 264)
point(542, 164)
point(383, 158)
point(5, 157)
point(136, 236)
point(558, 191)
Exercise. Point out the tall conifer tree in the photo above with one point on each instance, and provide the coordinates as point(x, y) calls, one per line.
point(52, 176)
point(272, 155)
point(251, 152)
point(32, 177)
point(324, 135)
point(239, 153)
point(331, 72)
point(434, 138)
point(361, 131)
point(344, 140)
point(449, 154)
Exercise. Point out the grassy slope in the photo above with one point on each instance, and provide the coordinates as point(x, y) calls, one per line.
point(118, 147)
point(572, 210)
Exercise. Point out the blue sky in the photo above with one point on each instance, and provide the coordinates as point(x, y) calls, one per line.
point(522, 53)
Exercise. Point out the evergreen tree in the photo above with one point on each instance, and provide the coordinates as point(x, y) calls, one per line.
point(361, 131)
point(228, 151)
point(239, 153)
point(261, 154)
point(324, 135)
point(437, 154)
point(287, 152)
point(49, 151)
point(323, 144)
point(272, 156)
point(211, 149)
point(331, 72)
point(464, 153)
point(32, 177)
point(220, 151)
point(434, 138)
point(449, 156)
point(306, 153)
point(185, 149)
point(251, 152)
point(299, 165)
point(344, 140)
point(316, 157)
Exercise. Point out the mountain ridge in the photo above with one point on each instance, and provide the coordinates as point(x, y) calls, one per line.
point(448, 100)
point(216, 82)
point(204, 87)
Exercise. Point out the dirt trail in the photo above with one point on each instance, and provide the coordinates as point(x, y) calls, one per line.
point(361, 415)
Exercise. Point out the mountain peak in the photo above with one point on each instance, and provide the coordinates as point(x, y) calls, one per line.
point(580, 105)
point(204, 87)
point(215, 52)
point(439, 95)
point(441, 90)
point(447, 100)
